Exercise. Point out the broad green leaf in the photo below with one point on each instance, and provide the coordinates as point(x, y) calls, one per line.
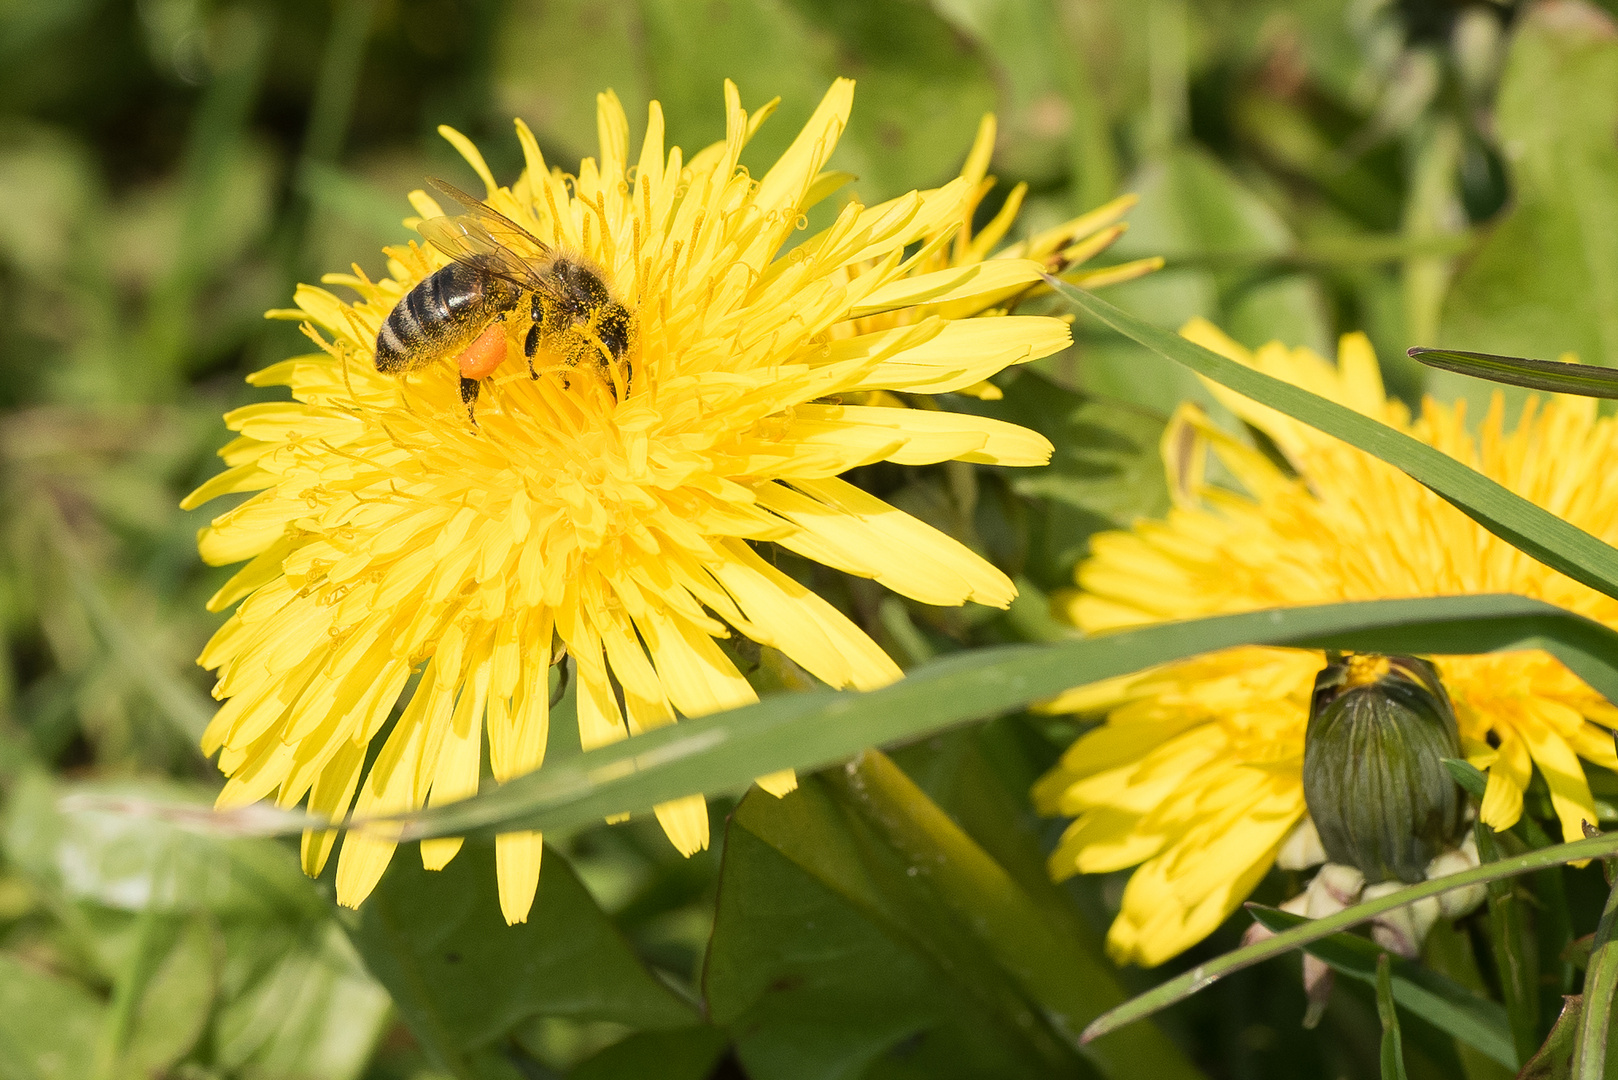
point(1071, 985)
point(161, 1005)
point(220, 950)
point(683, 1054)
point(1191, 205)
point(1536, 531)
point(1600, 984)
point(1393, 1053)
point(1205, 974)
point(48, 1026)
point(724, 751)
point(1545, 281)
point(1448, 1006)
point(832, 957)
point(134, 861)
point(296, 1002)
point(462, 979)
point(1553, 375)
point(1105, 473)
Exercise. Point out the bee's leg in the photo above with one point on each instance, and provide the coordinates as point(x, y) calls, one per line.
point(530, 345)
point(469, 397)
point(613, 333)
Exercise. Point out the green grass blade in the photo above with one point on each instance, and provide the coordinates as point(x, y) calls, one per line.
point(1393, 1051)
point(1543, 535)
point(1204, 975)
point(1447, 1005)
point(1600, 980)
point(1552, 375)
point(723, 752)
point(1516, 951)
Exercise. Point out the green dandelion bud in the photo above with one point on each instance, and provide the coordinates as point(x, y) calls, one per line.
point(1373, 771)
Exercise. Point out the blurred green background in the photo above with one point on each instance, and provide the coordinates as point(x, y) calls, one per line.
point(1431, 172)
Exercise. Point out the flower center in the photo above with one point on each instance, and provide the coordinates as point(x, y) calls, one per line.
point(1364, 670)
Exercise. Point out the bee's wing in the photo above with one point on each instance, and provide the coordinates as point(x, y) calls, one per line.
point(489, 241)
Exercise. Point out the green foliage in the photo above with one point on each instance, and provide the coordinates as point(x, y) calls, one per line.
point(923, 85)
point(146, 949)
point(1556, 376)
point(1590, 1057)
point(723, 751)
point(1508, 515)
point(888, 893)
point(1393, 1054)
point(1560, 237)
point(1554, 1060)
point(1431, 173)
point(855, 966)
point(1469, 1017)
point(50, 1024)
point(1311, 930)
point(1515, 947)
point(1105, 472)
point(466, 983)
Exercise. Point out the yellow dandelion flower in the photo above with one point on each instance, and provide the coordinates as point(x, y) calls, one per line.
point(1196, 774)
point(954, 245)
point(393, 540)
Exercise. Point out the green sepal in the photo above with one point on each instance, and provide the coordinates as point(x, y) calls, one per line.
point(1374, 776)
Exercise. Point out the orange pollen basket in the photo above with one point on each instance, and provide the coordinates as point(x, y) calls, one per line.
point(479, 359)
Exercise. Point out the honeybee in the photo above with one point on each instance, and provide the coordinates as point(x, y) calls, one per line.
point(462, 309)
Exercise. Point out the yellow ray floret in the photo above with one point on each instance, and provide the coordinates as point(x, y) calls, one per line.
point(955, 275)
point(1196, 773)
point(400, 556)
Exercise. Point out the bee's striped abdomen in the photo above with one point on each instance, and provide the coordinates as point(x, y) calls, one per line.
point(446, 310)
point(398, 342)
